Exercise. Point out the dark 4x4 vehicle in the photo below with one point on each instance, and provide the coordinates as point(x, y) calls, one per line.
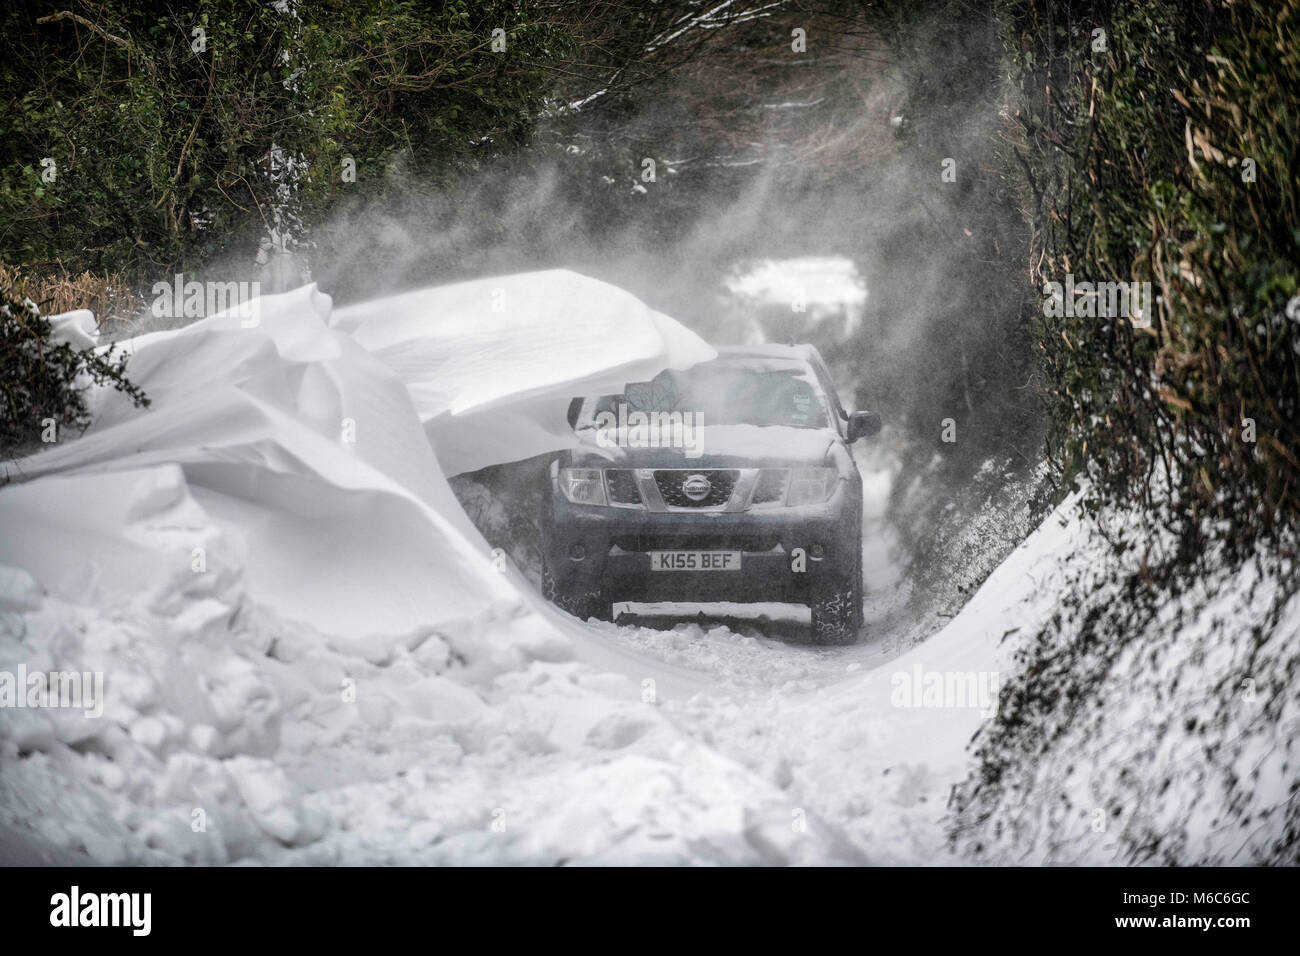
point(729, 481)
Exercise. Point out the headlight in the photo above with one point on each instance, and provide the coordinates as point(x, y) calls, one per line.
point(583, 486)
point(811, 486)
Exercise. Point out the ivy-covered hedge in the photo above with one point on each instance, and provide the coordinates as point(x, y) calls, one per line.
point(1159, 142)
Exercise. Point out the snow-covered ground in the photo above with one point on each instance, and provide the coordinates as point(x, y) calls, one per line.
point(310, 655)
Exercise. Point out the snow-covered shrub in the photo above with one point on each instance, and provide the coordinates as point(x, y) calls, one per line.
point(42, 380)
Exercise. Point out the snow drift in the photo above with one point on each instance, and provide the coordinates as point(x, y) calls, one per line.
point(492, 364)
point(306, 452)
point(311, 656)
point(270, 569)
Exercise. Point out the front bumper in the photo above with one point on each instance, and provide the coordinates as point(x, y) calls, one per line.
point(608, 549)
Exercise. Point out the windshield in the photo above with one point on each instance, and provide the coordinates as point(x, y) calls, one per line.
point(726, 395)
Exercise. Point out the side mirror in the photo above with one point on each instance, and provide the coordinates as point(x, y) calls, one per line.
point(863, 425)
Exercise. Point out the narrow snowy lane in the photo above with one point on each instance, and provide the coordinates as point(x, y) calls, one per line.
point(311, 655)
point(851, 737)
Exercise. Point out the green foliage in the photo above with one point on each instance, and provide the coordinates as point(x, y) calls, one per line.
point(164, 153)
point(174, 150)
point(1137, 159)
point(1133, 158)
point(41, 379)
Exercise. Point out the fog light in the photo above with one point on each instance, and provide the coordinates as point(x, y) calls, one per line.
point(816, 552)
point(577, 552)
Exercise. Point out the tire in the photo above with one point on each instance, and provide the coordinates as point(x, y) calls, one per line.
point(581, 604)
point(837, 610)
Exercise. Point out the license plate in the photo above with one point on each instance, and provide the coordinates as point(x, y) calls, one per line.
point(694, 560)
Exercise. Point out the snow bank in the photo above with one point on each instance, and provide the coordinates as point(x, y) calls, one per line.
point(304, 457)
point(1165, 739)
point(300, 436)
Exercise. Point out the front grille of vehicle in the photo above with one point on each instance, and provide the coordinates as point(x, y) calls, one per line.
point(671, 484)
point(625, 488)
point(622, 486)
point(771, 486)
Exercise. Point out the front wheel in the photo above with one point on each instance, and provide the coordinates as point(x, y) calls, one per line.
point(837, 612)
point(582, 604)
